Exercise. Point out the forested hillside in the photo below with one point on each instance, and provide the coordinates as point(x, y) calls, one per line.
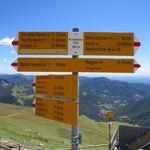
point(129, 101)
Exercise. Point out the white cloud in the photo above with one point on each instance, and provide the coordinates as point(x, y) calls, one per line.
point(143, 71)
point(6, 41)
point(5, 60)
point(6, 71)
point(13, 52)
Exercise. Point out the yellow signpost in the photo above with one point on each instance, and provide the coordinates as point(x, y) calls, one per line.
point(76, 43)
point(109, 114)
point(59, 110)
point(64, 86)
point(108, 43)
point(54, 43)
point(75, 65)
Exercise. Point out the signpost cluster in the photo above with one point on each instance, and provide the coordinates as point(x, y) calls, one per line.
point(56, 96)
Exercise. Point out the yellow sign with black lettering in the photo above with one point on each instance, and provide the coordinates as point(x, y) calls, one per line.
point(108, 43)
point(59, 110)
point(75, 65)
point(43, 43)
point(79, 43)
point(109, 114)
point(64, 86)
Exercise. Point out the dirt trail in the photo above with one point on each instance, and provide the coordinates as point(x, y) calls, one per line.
point(12, 115)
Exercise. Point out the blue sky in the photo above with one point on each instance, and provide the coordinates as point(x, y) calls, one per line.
point(63, 15)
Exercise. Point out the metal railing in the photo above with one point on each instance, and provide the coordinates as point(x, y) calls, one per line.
point(114, 139)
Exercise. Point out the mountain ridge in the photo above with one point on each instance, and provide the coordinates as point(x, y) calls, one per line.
point(96, 94)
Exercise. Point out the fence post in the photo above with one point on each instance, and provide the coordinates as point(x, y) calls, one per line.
point(19, 147)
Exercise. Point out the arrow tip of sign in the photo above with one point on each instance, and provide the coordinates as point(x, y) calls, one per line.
point(33, 84)
point(33, 105)
point(14, 43)
point(14, 64)
point(137, 44)
point(137, 65)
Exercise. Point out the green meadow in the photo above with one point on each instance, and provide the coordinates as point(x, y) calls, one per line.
point(21, 125)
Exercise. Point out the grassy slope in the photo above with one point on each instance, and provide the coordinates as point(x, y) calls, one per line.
point(20, 124)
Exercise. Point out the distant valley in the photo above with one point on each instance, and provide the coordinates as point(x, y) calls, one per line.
point(130, 102)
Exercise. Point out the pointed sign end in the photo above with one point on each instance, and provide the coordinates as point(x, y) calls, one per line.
point(137, 65)
point(33, 84)
point(137, 44)
point(14, 42)
point(33, 105)
point(14, 64)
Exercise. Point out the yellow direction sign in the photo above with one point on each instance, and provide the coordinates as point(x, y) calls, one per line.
point(75, 65)
point(108, 43)
point(43, 43)
point(64, 86)
point(59, 110)
point(109, 114)
point(76, 43)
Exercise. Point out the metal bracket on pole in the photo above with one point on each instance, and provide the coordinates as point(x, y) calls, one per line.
point(75, 30)
point(80, 138)
point(77, 139)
